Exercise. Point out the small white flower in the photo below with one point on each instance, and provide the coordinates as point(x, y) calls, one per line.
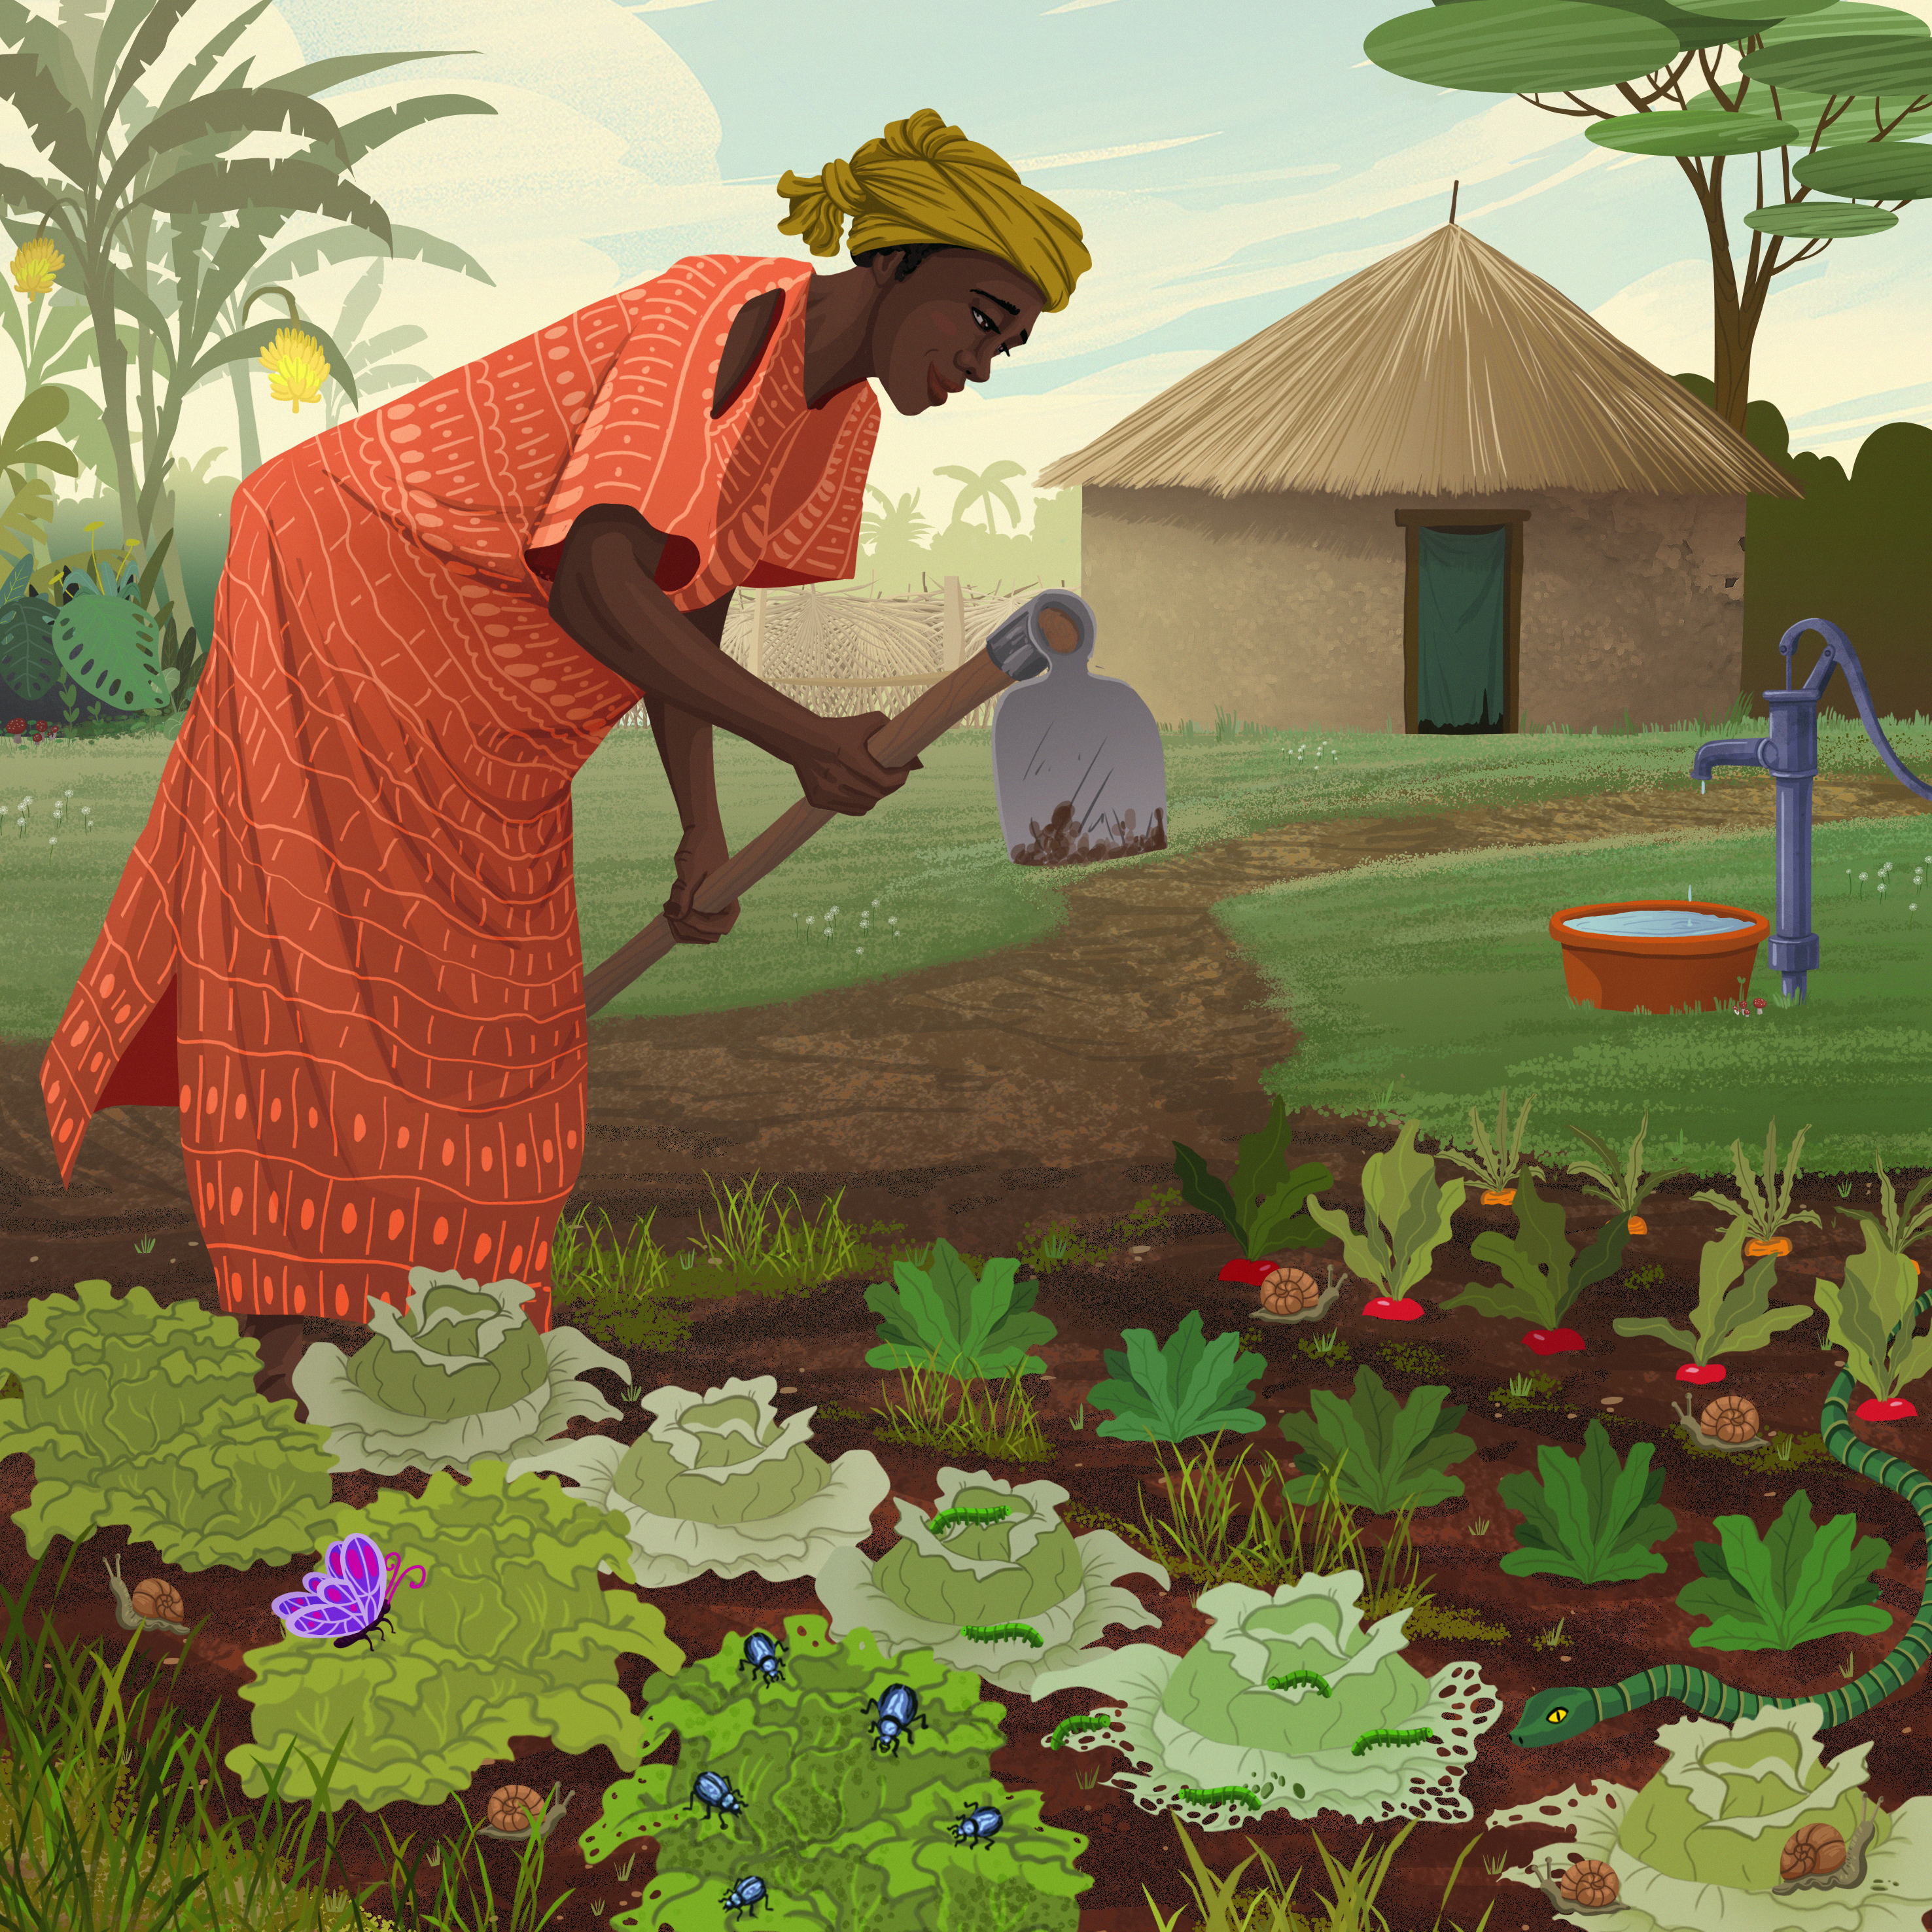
point(53, 841)
point(812, 918)
point(875, 902)
point(833, 914)
point(860, 950)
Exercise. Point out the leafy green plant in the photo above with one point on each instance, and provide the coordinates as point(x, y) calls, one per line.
point(147, 1416)
point(1901, 1227)
point(973, 1331)
point(718, 1483)
point(1796, 1583)
point(1222, 1715)
point(510, 1625)
point(1628, 1193)
point(1589, 1518)
point(461, 1374)
point(1028, 1567)
point(1725, 1323)
point(1260, 1216)
point(1701, 1843)
point(1406, 1217)
point(1386, 1452)
point(1870, 1318)
point(844, 1836)
point(1184, 1387)
point(1650, 1276)
point(1495, 1168)
point(1542, 1273)
point(1766, 1207)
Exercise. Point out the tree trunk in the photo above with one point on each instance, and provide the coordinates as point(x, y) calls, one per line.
point(244, 419)
point(113, 358)
point(1731, 362)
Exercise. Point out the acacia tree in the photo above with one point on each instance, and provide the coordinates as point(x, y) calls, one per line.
point(1836, 78)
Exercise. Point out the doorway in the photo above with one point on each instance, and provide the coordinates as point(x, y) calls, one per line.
point(1462, 615)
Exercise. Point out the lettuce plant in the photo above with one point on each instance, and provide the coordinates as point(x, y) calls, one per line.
point(1383, 1452)
point(1700, 1845)
point(1724, 1322)
point(1590, 1518)
point(718, 1483)
point(146, 1416)
point(1028, 1568)
point(972, 1330)
point(1184, 1387)
point(845, 1837)
point(1223, 1717)
point(463, 1374)
point(1542, 1273)
point(510, 1635)
point(1796, 1583)
point(1405, 1219)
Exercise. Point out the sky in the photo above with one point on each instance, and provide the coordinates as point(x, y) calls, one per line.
point(1224, 173)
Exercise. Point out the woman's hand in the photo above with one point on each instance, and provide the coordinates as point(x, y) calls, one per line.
point(840, 775)
point(702, 852)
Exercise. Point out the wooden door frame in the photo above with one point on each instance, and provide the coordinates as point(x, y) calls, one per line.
point(1413, 522)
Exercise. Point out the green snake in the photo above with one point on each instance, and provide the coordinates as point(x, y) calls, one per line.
point(1551, 1717)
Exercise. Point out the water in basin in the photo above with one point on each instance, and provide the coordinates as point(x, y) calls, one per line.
point(1657, 922)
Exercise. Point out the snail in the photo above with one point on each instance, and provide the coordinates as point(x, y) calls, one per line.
point(1589, 1884)
point(1816, 1859)
point(1730, 1419)
point(1717, 1412)
point(154, 1605)
point(509, 1811)
point(1288, 1291)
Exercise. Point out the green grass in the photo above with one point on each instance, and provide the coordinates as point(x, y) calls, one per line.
point(923, 880)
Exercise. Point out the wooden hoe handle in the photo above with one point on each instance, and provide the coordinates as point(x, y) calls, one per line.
point(896, 742)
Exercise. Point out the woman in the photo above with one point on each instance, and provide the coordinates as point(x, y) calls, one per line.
point(345, 947)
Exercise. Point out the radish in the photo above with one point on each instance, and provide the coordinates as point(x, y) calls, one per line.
point(1553, 1341)
point(1895, 1410)
point(1385, 1310)
point(1708, 1372)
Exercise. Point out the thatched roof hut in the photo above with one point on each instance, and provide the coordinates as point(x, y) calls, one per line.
point(1439, 495)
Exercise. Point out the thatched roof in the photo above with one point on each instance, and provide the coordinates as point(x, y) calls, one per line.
point(1444, 370)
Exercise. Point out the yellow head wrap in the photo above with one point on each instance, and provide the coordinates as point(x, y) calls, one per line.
point(925, 181)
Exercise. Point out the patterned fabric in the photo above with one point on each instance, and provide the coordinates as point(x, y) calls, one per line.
point(345, 947)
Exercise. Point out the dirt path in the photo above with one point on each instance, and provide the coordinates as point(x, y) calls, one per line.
point(1052, 1077)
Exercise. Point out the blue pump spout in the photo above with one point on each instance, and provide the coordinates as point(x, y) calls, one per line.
point(1727, 751)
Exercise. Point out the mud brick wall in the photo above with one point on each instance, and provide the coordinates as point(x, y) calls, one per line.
point(1289, 608)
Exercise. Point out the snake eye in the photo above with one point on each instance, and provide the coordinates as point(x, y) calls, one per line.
point(1557, 1716)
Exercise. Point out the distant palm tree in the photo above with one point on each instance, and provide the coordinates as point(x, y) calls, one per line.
point(373, 375)
point(983, 489)
point(897, 523)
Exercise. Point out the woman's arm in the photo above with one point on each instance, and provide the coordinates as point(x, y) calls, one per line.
point(605, 599)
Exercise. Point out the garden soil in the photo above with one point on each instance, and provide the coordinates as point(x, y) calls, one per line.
point(983, 1102)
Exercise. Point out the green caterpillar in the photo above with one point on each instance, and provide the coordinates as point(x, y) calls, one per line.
point(1294, 1677)
point(950, 1519)
point(1004, 1634)
point(1553, 1716)
point(1222, 1794)
point(1369, 1739)
point(1066, 1726)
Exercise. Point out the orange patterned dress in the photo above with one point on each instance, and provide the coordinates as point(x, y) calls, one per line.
point(345, 947)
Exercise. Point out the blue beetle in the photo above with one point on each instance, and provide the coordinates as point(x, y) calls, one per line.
point(898, 1712)
point(715, 1794)
point(764, 1655)
point(978, 1826)
point(747, 1895)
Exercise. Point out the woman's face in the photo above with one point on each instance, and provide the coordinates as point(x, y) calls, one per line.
point(945, 322)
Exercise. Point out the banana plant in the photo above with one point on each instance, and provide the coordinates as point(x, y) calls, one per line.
point(72, 82)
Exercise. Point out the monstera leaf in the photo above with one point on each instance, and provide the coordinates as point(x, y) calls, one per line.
point(108, 645)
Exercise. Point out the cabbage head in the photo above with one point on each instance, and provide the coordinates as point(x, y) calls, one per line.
point(1700, 1845)
point(1213, 1719)
point(463, 1374)
point(718, 1483)
point(1028, 1568)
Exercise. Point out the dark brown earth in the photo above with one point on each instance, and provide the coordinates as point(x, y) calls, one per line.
point(980, 1101)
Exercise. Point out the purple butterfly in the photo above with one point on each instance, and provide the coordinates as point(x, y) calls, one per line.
point(352, 1600)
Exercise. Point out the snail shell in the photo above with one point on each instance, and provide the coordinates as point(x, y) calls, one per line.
point(510, 1806)
point(1812, 1849)
point(1588, 1882)
point(157, 1598)
point(1288, 1291)
point(1730, 1419)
